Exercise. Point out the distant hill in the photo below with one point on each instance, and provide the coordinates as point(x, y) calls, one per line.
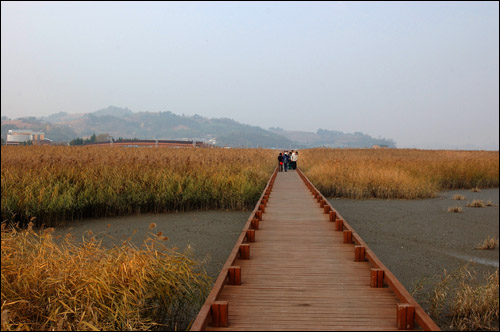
point(122, 122)
point(333, 139)
point(114, 111)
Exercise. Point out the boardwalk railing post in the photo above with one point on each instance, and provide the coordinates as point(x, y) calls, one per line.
point(255, 223)
point(219, 314)
point(405, 316)
point(377, 278)
point(339, 225)
point(333, 215)
point(251, 235)
point(359, 254)
point(347, 236)
point(234, 273)
point(258, 214)
point(245, 251)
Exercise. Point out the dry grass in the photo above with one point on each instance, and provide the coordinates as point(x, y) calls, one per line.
point(458, 197)
point(438, 295)
point(488, 244)
point(468, 303)
point(475, 190)
point(66, 183)
point(397, 173)
point(455, 209)
point(49, 286)
point(475, 306)
point(476, 203)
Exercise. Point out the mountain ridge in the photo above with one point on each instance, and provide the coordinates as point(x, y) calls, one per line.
point(123, 122)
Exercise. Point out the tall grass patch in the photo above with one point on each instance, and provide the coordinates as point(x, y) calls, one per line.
point(397, 173)
point(57, 184)
point(67, 286)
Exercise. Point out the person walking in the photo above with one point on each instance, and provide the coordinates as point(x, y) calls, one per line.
point(293, 159)
point(286, 160)
point(280, 162)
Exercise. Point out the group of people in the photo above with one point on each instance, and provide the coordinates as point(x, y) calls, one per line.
point(288, 160)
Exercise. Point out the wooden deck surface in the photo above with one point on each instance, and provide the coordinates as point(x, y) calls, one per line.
point(300, 275)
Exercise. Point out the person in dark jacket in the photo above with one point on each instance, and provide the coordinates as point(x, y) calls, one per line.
point(286, 160)
point(280, 162)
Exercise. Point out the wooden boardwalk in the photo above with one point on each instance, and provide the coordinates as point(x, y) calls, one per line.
point(295, 269)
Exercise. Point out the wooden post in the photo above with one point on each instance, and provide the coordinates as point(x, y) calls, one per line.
point(359, 253)
point(251, 235)
point(244, 251)
point(377, 278)
point(262, 208)
point(258, 214)
point(339, 225)
point(326, 209)
point(322, 203)
point(219, 314)
point(234, 274)
point(333, 215)
point(405, 316)
point(347, 236)
point(255, 223)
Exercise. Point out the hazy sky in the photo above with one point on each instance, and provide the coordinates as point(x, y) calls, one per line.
point(423, 74)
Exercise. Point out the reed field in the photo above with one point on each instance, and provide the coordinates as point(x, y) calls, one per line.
point(397, 173)
point(52, 286)
point(55, 184)
point(61, 285)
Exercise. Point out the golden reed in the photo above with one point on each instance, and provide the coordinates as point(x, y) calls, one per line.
point(50, 285)
point(397, 173)
point(65, 183)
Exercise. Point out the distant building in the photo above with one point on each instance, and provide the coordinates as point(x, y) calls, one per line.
point(381, 146)
point(20, 136)
point(152, 143)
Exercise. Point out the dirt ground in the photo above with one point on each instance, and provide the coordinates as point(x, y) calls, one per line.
point(415, 239)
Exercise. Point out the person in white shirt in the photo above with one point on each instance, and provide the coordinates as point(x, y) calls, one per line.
point(294, 158)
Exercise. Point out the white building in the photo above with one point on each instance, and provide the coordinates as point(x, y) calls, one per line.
point(19, 136)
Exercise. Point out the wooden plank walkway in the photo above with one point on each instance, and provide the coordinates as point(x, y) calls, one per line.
point(301, 273)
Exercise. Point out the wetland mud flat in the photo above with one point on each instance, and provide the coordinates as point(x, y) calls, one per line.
point(210, 234)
